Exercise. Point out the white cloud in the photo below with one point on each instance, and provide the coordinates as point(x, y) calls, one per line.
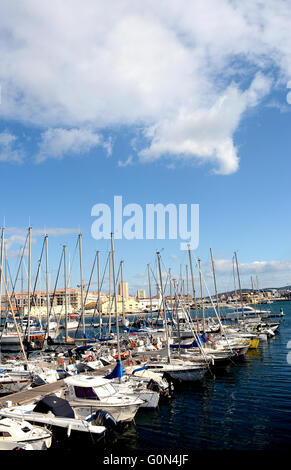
point(8, 152)
point(224, 266)
point(56, 143)
point(160, 66)
point(127, 162)
point(206, 133)
point(51, 231)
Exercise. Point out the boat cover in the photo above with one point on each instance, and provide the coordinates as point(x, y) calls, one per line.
point(58, 406)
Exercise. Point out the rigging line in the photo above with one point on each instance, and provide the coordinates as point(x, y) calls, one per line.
point(54, 293)
point(90, 279)
point(13, 286)
point(71, 267)
point(95, 308)
point(213, 306)
point(19, 266)
point(192, 329)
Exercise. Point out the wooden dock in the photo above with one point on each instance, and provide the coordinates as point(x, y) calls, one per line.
point(27, 396)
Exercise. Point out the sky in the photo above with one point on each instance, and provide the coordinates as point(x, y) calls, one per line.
point(169, 102)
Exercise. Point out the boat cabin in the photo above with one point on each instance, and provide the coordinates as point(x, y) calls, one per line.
point(89, 388)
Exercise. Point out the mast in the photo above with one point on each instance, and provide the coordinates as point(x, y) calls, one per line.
point(150, 294)
point(177, 316)
point(98, 287)
point(193, 288)
point(9, 305)
point(201, 294)
point(163, 306)
point(1, 263)
point(121, 275)
point(47, 286)
point(171, 290)
point(29, 282)
point(66, 302)
point(82, 284)
point(242, 305)
point(109, 294)
point(115, 298)
point(214, 279)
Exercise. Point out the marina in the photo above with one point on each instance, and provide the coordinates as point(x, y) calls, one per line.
point(128, 380)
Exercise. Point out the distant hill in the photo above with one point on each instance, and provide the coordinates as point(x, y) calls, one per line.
point(263, 289)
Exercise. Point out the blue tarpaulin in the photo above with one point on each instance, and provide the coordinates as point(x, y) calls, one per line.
point(117, 371)
point(141, 368)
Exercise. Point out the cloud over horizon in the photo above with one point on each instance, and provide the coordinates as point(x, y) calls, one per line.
point(183, 74)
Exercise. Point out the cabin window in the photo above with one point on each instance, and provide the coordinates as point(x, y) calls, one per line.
point(5, 434)
point(85, 392)
point(105, 391)
point(25, 429)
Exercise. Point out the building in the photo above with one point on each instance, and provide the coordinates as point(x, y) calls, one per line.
point(123, 289)
point(56, 300)
point(141, 294)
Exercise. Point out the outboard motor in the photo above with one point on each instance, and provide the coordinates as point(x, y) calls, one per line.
point(103, 418)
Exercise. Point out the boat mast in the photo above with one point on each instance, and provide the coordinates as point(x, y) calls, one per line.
point(1, 263)
point(115, 298)
point(187, 288)
point(47, 285)
point(66, 303)
point(82, 284)
point(193, 288)
point(242, 305)
point(170, 288)
point(122, 289)
point(98, 287)
point(150, 294)
point(214, 279)
point(163, 306)
point(109, 294)
point(29, 282)
point(9, 305)
point(201, 294)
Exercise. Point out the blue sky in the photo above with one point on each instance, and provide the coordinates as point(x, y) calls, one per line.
point(156, 110)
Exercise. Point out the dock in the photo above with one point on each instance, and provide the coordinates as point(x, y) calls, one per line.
point(29, 395)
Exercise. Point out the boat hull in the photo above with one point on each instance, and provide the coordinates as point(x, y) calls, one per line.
point(121, 413)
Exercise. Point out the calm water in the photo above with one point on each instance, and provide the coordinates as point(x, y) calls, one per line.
point(245, 407)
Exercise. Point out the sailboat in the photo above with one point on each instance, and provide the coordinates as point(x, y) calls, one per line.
point(175, 369)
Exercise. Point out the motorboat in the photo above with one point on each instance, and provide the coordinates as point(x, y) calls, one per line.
point(16, 433)
point(54, 411)
point(87, 394)
point(177, 369)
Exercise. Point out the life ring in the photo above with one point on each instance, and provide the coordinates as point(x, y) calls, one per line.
point(61, 361)
point(133, 344)
point(90, 358)
point(122, 356)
